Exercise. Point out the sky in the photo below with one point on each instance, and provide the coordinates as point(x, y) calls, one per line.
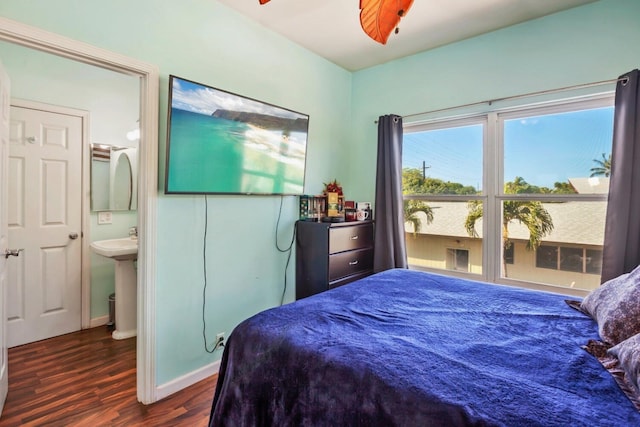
point(202, 99)
point(541, 149)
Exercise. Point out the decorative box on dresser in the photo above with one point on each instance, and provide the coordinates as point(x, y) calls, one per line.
point(332, 254)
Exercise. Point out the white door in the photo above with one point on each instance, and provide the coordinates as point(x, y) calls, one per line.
point(4, 240)
point(44, 216)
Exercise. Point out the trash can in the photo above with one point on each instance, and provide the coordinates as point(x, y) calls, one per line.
point(112, 311)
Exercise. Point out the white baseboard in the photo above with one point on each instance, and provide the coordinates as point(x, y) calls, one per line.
point(99, 321)
point(185, 381)
point(178, 384)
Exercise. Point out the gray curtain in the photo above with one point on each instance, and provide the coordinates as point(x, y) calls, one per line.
point(389, 244)
point(622, 228)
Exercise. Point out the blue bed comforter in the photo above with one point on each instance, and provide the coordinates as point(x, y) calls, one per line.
point(407, 348)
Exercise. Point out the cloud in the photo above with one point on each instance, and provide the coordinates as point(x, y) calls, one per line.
point(205, 100)
point(527, 122)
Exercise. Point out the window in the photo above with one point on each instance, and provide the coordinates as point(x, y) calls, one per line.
point(505, 184)
point(579, 260)
point(508, 253)
point(457, 259)
point(571, 259)
point(442, 174)
point(547, 257)
point(593, 261)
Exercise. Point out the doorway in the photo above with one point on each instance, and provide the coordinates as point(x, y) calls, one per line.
point(35, 38)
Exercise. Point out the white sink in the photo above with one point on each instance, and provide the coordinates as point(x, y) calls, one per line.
point(118, 249)
point(124, 252)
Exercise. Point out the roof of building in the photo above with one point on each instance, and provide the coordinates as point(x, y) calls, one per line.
point(573, 222)
point(591, 185)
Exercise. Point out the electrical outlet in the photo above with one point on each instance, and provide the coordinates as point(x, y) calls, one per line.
point(104, 217)
point(219, 341)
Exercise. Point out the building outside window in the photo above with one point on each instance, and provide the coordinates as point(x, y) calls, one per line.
point(515, 196)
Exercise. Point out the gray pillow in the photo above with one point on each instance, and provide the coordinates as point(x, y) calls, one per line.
point(615, 306)
point(628, 354)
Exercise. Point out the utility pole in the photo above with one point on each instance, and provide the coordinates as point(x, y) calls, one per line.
point(424, 169)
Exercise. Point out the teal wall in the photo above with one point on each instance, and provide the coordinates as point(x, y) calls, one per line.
point(595, 42)
point(206, 42)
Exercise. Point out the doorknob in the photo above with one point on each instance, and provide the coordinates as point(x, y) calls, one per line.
point(31, 140)
point(12, 252)
point(73, 236)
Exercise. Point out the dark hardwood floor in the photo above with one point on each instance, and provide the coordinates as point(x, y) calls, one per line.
point(89, 379)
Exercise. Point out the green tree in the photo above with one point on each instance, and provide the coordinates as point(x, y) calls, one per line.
point(520, 186)
point(411, 209)
point(563, 188)
point(603, 166)
point(414, 183)
point(531, 214)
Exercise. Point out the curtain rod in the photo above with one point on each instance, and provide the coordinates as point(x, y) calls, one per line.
point(624, 79)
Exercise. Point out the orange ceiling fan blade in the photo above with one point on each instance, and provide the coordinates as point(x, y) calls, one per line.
point(379, 18)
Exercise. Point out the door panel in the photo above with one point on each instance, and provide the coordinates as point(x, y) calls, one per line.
point(45, 188)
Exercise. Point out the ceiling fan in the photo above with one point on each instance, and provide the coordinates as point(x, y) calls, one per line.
point(379, 18)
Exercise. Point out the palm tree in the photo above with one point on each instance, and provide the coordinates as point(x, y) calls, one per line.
point(531, 214)
point(603, 168)
point(411, 208)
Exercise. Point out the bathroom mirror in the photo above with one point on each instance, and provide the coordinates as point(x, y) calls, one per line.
point(113, 178)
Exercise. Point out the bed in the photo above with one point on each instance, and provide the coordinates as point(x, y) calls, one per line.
point(409, 348)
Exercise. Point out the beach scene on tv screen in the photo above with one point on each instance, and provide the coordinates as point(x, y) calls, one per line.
point(220, 142)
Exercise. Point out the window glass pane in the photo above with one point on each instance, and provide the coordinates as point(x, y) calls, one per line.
point(557, 243)
point(443, 161)
point(571, 259)
point(564, 153)
point(508, 253)
point(437, 238)
point(458, 260)
point(462, 260)
point(594, 261)
point(547, 257)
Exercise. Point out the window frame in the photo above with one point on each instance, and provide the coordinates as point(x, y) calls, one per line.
point(493, 195)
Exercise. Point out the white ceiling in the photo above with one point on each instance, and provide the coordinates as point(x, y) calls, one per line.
point(331, 28)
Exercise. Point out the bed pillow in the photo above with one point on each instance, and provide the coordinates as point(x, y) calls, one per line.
point(615, 306)
point(628, 354)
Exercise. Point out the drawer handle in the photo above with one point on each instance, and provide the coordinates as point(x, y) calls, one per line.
point(354, 262)
point(354, 237)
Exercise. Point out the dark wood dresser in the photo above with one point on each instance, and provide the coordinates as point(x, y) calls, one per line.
point(332, 254)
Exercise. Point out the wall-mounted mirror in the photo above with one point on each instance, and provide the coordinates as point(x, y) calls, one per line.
point(113, 178)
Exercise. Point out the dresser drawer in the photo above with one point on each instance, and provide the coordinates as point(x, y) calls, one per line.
point(349, 238)
point(347, 263)
point(329, 254)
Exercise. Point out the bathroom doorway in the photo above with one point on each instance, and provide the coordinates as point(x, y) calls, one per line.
point(34, 38)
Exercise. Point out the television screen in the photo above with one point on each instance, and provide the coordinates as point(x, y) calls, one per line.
point(222, 143)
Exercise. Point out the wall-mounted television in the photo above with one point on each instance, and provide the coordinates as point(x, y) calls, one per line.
point(219, 142)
